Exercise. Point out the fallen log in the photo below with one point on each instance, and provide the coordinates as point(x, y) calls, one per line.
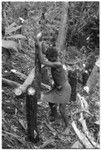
point(14, 73)
point(82, 138)
point(19, 91)
point(10, 83)
point(16, 86)
point(28, 82)
point(19, 74)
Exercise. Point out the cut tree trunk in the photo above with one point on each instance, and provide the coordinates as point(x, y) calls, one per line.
point(28, 82)
point(31, 101)
point(16, 86)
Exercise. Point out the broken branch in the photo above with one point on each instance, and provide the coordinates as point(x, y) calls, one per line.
point(19, 74)
point(10, 83)
point(83, 139)
point(86, 131)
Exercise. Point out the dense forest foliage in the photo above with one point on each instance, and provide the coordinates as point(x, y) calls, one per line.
point(21, 21)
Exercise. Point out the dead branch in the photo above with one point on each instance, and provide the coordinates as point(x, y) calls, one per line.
point(19, 74)
point(10, 83)
point(86, 131)
point(85, 107)
point(45, 86)
point(83, 139)
point(22, 88)
point(29, 80)
point(51, 129)
point(46, 143)
point(23, 76)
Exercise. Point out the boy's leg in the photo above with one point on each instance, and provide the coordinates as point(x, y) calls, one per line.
point(62, 109)
point(73, 93)
point(85, 77)
point(73, 82)
point(53, 111)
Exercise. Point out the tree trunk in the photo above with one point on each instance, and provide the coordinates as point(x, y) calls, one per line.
point(63, 29)
point(31, 101)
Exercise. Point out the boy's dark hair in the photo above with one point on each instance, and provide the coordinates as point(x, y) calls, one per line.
point(51, 52)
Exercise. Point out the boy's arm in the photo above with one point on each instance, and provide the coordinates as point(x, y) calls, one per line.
point(41, 57)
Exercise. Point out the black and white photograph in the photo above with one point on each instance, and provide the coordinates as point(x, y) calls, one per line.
point(50, 53)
